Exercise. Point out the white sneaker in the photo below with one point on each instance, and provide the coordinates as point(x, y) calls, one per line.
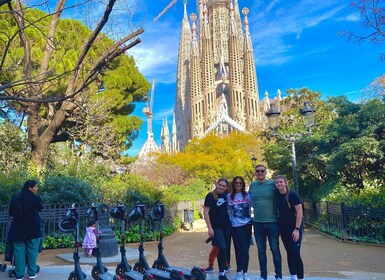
point(293, 277)
point(278, 278)
point(246, 276)
point(239, 276)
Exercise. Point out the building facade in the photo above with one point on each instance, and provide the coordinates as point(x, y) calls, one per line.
point(217, 88)
point(216, 79)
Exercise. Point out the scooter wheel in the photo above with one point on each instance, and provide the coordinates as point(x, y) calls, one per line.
point(198, 274)
point(139, 268)
point(159, 265)
point(120, 270)
point(73, 276)
point(3, 267)
point(175, 276)
point(95, 273)
point(37, 268)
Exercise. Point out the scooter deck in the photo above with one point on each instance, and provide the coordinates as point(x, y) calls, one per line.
point(133, 275)
point(159, 274)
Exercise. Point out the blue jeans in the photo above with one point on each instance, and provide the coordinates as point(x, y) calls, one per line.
point(26, 255)
point(270, 231)
point(222, 239)
point(242, 237)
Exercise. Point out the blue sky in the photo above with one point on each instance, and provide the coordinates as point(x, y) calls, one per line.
point(296, 44)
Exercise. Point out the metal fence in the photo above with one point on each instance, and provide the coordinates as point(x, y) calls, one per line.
point(346, 223)
point(361, 224)
point(53, 213)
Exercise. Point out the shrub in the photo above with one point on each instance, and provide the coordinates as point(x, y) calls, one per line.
point(64, 189)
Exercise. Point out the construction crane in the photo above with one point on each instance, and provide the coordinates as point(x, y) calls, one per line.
point(172, 3)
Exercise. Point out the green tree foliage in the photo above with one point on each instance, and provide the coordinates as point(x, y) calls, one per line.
point(10, 184)
point(50, 68)
point(345, 152)
point(193, 191)
point(64, 189)
point(129, 189)
point(310, 160)
point(14, 150)
point(213, 157)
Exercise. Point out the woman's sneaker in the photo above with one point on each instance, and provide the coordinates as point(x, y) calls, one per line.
point(222, 277)
point(228, 268)
point(239, 276)
point(246, 276)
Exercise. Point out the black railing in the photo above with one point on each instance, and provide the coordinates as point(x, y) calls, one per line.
point(362, 224)
point(53, 213)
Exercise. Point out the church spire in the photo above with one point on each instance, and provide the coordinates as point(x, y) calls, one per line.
point(235, 73)
point(182, 105)
point(197, 114)
point(253, 114)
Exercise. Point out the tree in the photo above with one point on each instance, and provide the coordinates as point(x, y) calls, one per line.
point(14, 153)
point(214, 157)
point(372, 18)
point(48, 65)
point(310, 160)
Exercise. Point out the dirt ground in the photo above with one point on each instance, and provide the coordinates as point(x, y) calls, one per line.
point(322, 256)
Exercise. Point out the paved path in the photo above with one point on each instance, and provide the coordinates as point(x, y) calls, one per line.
point(324, 258)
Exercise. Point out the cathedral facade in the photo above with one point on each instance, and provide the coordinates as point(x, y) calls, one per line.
point(217, 89)
point(216, 81)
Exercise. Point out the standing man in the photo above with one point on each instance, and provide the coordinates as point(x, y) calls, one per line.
point(26, 229)
point(265, 220)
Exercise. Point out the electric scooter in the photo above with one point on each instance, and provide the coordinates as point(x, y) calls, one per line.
point(124, 269)
point(99, 271)
point(142, 265)
point(196, 273)
point(71, 224)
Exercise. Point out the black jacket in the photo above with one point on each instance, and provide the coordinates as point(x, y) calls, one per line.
point(26, 223)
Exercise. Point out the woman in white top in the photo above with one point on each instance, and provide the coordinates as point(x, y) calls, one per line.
point(239, 209)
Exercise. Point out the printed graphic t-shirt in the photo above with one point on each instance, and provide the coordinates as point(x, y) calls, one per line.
point(239, 209)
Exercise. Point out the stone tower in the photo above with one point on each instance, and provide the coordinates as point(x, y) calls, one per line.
point(217, 88)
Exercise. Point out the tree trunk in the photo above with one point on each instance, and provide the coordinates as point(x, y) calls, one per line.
point(39, 155)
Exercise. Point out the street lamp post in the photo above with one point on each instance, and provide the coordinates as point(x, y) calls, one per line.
point(308, 119)
point(254, 161)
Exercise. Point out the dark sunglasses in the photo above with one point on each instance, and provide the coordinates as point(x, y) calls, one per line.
point(260, 171)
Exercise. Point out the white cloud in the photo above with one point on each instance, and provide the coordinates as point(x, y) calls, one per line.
point(157, 55)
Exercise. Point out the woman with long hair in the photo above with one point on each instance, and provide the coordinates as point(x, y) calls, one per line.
point(218, 222)
point(290, 225)
point(239, 208)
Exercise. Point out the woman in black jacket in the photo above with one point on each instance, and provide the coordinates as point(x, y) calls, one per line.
point(26, 229)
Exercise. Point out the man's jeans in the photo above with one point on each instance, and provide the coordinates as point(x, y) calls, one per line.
point(271, 232)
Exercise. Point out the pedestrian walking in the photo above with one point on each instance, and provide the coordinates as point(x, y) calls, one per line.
point(263, 193)
point(26, 229)
point(290, 223)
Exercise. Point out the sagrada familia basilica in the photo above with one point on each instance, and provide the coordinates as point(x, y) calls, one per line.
point(217, 88)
